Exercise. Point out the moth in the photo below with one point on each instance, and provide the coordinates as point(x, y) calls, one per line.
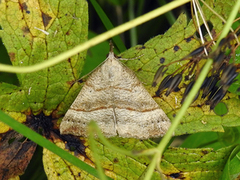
point(118, 102)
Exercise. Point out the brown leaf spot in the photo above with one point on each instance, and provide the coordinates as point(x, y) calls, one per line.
point(12, 56)
point(188, 39)
point(205, 152)
point(176, 48)
point(115, 160)
point(46, 19)
point(162, 60)
point(177, 176)
point(25, 30)
point(55, 114)
point(24, 6)
point(70, 82)
point(142, 47)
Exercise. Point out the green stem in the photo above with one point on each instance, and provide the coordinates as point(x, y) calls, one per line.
point(133, 31)
point(95, 155)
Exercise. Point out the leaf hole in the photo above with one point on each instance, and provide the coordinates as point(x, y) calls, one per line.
point(10, 78)
point(204, 30)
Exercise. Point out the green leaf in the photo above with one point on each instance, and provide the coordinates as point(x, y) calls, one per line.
point(202, 139)
point(66, 22)
point(116, 165)
point(215, 140)
point(231, 173)
point(202, 163)
point(24, 34)
point(193, 164)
